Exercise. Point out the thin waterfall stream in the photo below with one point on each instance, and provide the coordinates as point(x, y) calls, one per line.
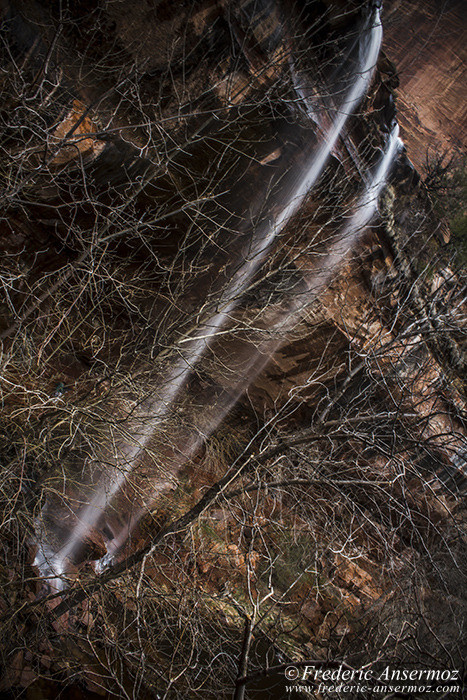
point(259, 352)
point(54, 562)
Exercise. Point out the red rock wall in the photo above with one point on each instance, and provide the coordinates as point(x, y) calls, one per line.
point(428, 43)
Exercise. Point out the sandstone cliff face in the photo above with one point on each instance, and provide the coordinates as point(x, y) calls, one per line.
point(428, 43)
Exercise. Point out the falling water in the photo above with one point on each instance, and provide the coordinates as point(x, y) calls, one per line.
point(259, 354)
point(54, 563)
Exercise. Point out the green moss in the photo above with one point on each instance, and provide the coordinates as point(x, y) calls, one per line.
point(458, 225)
point(447, 185)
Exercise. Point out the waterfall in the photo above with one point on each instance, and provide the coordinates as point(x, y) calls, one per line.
point(364, 212)
point(261, 354)
point(53, 563)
